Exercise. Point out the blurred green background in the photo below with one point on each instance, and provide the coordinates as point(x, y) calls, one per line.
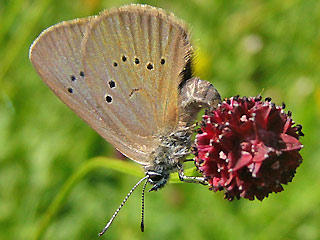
point(242, 47)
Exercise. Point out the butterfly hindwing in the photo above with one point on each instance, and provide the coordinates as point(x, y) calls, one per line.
point(119, 72)
point(143, 50)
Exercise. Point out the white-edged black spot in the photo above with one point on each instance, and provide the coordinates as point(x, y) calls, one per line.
point(150, 66)
point(81, 74)
point(115, 64)
point(112, 84)
point(70, 90)
point(108, 99)
point(73, 78)
point(162, 61)
point(124, 58)
point(136, 61)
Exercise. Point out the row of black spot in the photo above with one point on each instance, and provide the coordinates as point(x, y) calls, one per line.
point(73, 79)
point(115, 64)
point(137, 61)
point(112, 84)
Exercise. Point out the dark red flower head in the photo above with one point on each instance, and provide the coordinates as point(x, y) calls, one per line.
point(248, 148)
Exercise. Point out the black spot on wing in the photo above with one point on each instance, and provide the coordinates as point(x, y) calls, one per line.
point(108, 99)
point(112, 84)
point(150, 66)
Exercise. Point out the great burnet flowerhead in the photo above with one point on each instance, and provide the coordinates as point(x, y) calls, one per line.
point(248, 148)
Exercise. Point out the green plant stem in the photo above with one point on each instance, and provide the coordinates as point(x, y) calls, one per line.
point(95, 163)
point(125, 167)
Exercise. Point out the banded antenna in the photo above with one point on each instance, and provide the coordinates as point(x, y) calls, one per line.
point(122, 204)
point(142, 206)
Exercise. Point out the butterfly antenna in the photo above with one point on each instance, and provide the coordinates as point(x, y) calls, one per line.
point(121, 205)
point(142, 206)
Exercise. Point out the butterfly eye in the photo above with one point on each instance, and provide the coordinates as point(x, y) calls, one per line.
point(155, 177)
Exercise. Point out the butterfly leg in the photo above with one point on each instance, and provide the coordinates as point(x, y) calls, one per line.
point(189, 179)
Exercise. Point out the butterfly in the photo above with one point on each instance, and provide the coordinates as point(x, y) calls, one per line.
point(127, 73)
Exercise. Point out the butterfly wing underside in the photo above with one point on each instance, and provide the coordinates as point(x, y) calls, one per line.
point(82, 73)
point(143, 51)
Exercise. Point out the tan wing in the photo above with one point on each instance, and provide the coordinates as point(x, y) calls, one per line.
point(57, 58)
point(142, 51)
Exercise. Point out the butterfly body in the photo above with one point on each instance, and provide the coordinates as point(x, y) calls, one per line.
point(127, 73)
point(169, 155)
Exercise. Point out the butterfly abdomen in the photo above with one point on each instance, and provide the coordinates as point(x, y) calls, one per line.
point(194, 95)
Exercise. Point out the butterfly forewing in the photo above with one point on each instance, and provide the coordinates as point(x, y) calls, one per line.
point(57, 58)
point(143, 51)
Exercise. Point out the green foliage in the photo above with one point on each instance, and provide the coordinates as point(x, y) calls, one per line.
point(48, 180)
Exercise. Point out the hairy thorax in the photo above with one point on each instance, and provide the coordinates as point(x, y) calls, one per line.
point(170, 154)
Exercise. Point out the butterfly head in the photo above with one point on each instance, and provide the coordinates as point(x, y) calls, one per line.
point(157, 179)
